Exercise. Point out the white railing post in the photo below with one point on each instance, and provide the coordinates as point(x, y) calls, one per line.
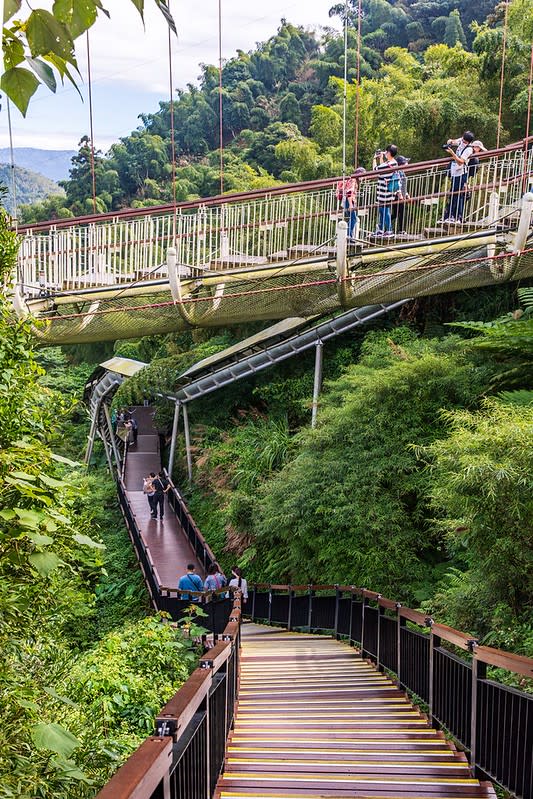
point(524, 224)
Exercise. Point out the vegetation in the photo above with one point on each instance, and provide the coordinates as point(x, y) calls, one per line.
point(29, 186)
point(83, 668)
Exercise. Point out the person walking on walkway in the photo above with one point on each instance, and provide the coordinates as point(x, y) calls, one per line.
point(149, 490)
point(459, 176)
point(239, 582)
point(160, 489)
point(215, 579)
point(388, 187)
point(190, 582)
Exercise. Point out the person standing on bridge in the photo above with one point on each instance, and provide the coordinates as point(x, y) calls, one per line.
point(149, 490)
point(190, 582)
point(239, 582)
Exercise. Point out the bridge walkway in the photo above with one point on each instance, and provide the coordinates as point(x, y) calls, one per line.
point(315, 720)
point(169, 547)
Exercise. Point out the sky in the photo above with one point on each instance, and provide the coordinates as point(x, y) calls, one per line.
point(129, 65)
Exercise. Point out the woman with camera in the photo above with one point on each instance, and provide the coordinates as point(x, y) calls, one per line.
point(459, 175)
point(388, 188)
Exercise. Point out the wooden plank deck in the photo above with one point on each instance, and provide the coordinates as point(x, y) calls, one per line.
point(315, 720)
point(168, 545)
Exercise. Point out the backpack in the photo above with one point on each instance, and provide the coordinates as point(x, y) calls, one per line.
point(148, 487)
point(393, 183)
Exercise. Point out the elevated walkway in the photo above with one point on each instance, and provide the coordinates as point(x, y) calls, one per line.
point(316, 720)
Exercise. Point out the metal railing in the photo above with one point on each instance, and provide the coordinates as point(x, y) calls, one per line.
point(256, 228)
point(216, 604)
point(185, 756)
point(445, 668)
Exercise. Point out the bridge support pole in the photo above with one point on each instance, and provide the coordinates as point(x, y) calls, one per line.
point(187, 441)
point(92, 436)
point(174, 437)
point(318, 381)
point(111, 435)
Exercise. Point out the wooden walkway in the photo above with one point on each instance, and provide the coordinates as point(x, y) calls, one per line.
point(168, 545)
point(315, 720)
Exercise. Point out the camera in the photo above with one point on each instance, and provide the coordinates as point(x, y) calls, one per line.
point(447, 146)
point(378, 152)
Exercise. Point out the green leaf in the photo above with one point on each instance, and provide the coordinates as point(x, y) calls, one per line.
point(8, 515)
point(51, 482)
point(28, 518)
point(39, 539)
point(23, 475)
point(44, 562)
point(54, 737)
point(61, 66)
point(85, 541)
point(10, 8)
point(53, 693)
point(46, 34)
point(28, 705)
point(44, 72)
point(139, 5)
point(62, 459)
point(13, 55)
point(20, 85)
point(77, 15)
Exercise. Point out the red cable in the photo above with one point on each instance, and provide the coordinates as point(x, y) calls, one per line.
point(93, 173)
point(358, 87)
point(172, 138)
point(220, 96)
point(502, 74)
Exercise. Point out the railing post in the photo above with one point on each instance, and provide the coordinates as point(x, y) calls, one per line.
point(254, 591)
point(337, 600)
point(350, 637)
point(310, 606)
point(289, 611)
point(381, 611)
point(401, 624)
point(363, 606)
point(270, 604)
point(187, 441)
point(479, 672)
point(434, 643)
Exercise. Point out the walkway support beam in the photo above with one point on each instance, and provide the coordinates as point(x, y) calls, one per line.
point(174, 437)
point(319, 347)
point(112, 435)
point(187, 441)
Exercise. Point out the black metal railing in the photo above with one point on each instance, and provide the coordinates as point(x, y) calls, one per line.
point(445, 668)
point(197, 541)
point(185, 757)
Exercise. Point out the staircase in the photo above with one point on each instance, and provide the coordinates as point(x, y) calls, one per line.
point(315, 720)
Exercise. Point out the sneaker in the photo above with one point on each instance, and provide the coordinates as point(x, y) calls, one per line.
point(442, 221)
point(161, 518)
point(388, 233)
point(378, 232)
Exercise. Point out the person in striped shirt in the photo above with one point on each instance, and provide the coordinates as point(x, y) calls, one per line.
point(388, 187)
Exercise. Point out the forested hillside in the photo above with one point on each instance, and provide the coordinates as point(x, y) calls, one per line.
point(428, 70)
point(30, 186)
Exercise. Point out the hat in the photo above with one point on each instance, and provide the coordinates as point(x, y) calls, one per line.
point(401, 160)
point(479, 144)
point(359, 171)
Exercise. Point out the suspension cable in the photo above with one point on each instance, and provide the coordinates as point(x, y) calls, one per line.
point(90, 91)
point(502, 72)
point(528, 121)
point(172, 136)
point(345, 97)
point(220, 120)
point(358, 87)
point(12, 164)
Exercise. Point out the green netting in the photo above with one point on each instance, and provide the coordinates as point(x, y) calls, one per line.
point(282, 294)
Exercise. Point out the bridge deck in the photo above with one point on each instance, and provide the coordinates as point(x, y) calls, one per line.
point(315, 720)
point(169, 547)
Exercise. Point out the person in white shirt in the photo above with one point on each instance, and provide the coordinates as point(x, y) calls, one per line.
point(459, 175)
point(239, 582)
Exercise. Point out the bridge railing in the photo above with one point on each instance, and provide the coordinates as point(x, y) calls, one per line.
point(445, 668)
point(248, 230)
point(185, 757)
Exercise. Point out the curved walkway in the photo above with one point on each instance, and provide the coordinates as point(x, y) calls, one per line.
point(169, 547)
point(315, 720)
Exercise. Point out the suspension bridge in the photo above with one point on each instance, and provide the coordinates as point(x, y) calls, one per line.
point(273, 254)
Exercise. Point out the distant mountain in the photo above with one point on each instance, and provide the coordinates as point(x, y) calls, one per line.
point(30, 186)
point(54, 164)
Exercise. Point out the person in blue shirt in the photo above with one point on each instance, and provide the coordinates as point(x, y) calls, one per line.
point(190, 582)
point(215, 580)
